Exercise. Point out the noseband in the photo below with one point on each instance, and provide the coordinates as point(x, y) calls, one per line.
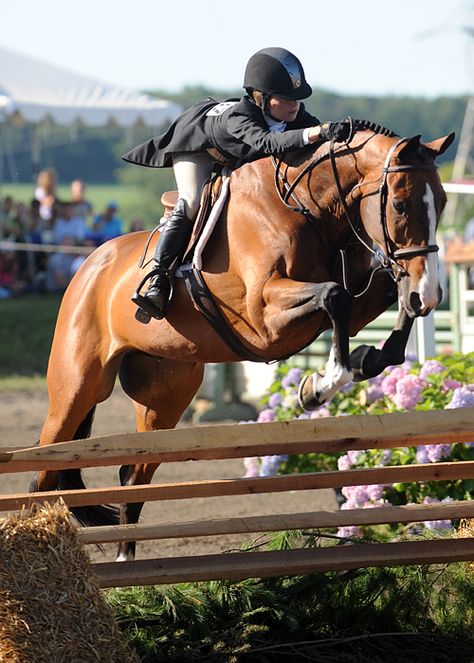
point(392, 254)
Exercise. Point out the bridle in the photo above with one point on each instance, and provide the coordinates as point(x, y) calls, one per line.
point(388, 259)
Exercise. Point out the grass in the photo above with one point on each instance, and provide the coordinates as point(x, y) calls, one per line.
point(416, 613)
point(26, 333)
point(22, 382)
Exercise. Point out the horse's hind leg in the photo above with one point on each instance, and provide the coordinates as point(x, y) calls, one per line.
point(74, 390)
point(161, 390)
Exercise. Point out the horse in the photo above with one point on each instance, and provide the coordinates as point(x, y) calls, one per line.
point(326, 237)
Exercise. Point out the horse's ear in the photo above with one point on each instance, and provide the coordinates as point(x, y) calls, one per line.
point(410, 148)
point(440, 145)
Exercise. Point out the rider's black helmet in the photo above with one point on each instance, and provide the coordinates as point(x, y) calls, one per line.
point(276, 71)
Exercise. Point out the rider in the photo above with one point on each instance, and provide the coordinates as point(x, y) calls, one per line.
point(269, 119)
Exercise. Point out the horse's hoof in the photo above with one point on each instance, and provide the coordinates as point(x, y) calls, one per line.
point(309, 394)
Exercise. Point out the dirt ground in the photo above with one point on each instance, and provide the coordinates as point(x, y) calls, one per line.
point(21, 417)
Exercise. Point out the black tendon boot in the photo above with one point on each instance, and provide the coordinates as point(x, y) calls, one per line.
point(170, 249)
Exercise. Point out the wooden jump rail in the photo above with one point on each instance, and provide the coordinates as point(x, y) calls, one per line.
point(234, 441)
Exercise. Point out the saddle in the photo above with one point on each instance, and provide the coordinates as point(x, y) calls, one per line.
point(214, 191)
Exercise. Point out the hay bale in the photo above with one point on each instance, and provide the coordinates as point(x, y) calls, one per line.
point(51, 608)
point(466, 530)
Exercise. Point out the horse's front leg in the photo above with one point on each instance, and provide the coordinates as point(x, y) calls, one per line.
point(289, 306)
point(368, 361)
point(318, 388)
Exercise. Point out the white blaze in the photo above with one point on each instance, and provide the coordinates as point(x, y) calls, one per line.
point(428, 285)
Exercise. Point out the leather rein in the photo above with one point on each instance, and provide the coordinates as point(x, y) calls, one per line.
point(387, 260)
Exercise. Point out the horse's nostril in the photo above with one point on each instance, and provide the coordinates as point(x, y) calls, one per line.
point(415, 301)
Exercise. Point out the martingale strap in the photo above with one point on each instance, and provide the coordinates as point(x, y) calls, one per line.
point(204, 302)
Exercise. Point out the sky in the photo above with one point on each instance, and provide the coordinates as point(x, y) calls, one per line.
point(374, 47)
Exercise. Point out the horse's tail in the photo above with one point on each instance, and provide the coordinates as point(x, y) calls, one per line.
point(88, 516)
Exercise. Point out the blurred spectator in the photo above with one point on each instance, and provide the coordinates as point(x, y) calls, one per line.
point(58, 272)
point(47, 220)
point(67, 225)
point(13, 264)
point(136, 225)
point(6, 217)
point(35, 222)
point(81, 207)
point(10, 281)
point(21, 221)
point(37, 261)
point(45, 192)
point(107, 225)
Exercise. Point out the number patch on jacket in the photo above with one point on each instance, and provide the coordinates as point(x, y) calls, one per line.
point(220, 108)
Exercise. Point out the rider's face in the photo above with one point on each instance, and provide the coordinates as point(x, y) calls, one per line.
point(284, 110)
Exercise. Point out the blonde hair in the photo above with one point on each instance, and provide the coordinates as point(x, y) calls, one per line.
point(260, 98)
point(47, 180)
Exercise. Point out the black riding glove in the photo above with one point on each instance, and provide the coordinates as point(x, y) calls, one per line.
point(338, 131)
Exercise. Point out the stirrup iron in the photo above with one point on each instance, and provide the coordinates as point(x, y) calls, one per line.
point(146, 310)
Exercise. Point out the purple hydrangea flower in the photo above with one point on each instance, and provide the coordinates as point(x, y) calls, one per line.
point(354, 456)
point(291, 378)
point(462, 397)
point(431, 367)
point(320, 412)
point(266, 415)
point(251, 467)
point(343, 462)
point(389, 383)
point(431, 500)
point(270, 465)
point(375, 492)
point(374, 392)
point(438, 451)
point(422, 454)
point(450, 384)
point(407, 391)
point(346, 387)
point(356, 495)
point(347, 505)
point(274, 400)
point(385, 457)
point(438, 524)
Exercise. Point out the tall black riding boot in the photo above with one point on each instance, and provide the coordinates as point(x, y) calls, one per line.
point(170, 249)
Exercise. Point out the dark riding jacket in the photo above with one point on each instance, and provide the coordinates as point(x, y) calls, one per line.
point(235, 128)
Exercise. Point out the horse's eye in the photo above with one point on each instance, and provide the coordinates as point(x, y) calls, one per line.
point(399, 206)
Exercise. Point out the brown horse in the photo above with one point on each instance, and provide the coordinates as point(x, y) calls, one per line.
point(291, 257)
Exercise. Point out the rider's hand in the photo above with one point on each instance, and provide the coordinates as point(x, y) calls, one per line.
point(337, 131)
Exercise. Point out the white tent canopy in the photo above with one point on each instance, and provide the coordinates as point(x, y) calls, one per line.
point(35, 91)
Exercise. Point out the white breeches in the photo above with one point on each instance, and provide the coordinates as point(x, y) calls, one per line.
point(191, 172)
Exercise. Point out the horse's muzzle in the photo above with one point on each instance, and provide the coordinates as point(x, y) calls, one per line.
point(416, 308)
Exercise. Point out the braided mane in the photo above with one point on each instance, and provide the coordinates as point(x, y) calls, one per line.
point(296, 157)
point(363, 125)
